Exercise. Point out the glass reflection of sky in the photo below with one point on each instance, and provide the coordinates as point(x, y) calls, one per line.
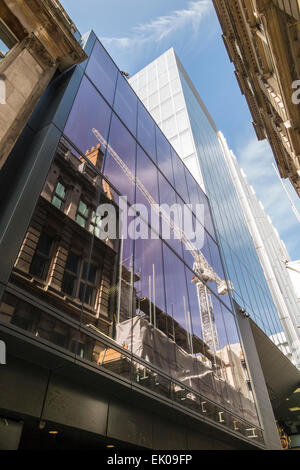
point(160, 280)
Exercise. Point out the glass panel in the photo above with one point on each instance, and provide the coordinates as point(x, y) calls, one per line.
point(110, 359)
point(72, 262)
point(86, 294)
point(197, 295)
point(89, 112)
point(237, 374)
point(185, 366)
point(81, 221)
point(149, 284)
point(164, 158)
point(146, 132)
point(60, 190)
point(208, 223)
point(89, 272)
point(179, 177)
point(120, 159)
point(68, 284)
point(83, 209)
point(146, 175)
point(147, 378)
point(103, 72)
point(57, 202)
point(168, 196)
point(125, 104)
point(45, 244)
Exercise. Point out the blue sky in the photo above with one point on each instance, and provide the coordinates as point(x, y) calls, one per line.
point(135, 32)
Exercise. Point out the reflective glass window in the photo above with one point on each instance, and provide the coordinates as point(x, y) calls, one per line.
point(103, 72)
point(89, 112)
point(146, 176)
point(179, 177)
point(146, 131)
point(149, 283)
point(42, 257)
point(120, 159)
point(59, 195)
point(173, 214)
point(164, 158)
point(125, 104)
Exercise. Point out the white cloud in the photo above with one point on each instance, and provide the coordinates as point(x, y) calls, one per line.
point(163, 26)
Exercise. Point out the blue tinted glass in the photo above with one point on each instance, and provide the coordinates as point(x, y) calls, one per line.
point(208, 223)
point(193, 188)
point(150, 282)
point(146, 134)
point(168, 196)
point(103, 72)
point(125, 103)
point(89, 112)
point(179, 176)
point(146, 174)
point(176, 294)
point(164, 158)
point(120, 159)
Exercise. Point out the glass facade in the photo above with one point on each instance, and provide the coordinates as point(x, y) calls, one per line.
point(186, 122)
point(145, 309)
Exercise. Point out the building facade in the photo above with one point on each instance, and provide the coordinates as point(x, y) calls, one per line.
point(35, 41)
point(98, 322)
point(273, 257)
point(262, 40)
point(173, 101)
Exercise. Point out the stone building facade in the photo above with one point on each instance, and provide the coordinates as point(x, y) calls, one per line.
point(262, 40)
point(37, 38)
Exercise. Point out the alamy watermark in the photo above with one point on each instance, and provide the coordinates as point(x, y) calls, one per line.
point(173, 222)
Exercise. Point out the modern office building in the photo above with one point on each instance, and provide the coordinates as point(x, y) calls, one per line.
point(125, 341)
point(168, 93)
point(255, 258)
point(273, 257)
point(294, 273)
point(262, 41)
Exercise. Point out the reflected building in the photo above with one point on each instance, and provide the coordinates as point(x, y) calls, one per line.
point(173, 101)
point(116, 331)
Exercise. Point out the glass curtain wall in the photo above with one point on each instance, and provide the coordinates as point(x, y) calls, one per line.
point(150, 309)
point(243, 267)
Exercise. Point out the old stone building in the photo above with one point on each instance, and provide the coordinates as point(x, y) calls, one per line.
point(262, 40)
point(36, 39)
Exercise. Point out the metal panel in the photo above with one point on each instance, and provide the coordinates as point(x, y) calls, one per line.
point(57, 100)
point(129, 424)
point(75, 405)
point(25, 387)
point(168, 435)
point(10, 434)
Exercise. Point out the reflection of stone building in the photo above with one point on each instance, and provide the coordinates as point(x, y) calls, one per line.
point(236, 369)
point(59, 257)
point(262, 40)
